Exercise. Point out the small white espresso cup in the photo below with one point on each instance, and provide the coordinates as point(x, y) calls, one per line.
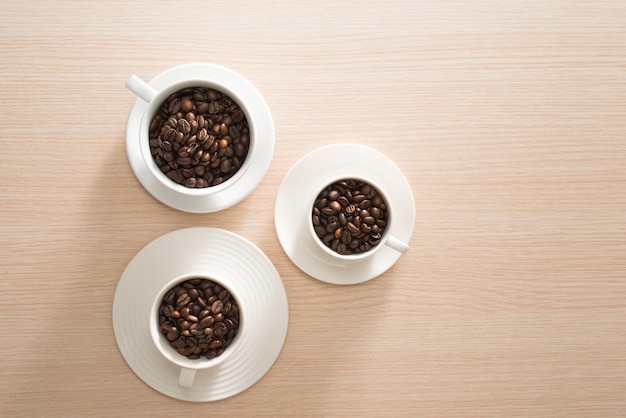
point(386, 240)
point(189, 367)
point(222, 80)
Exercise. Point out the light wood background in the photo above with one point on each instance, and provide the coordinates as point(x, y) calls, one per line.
point(507, 117)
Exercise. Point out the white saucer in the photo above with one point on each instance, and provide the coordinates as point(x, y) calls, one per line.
point(317, 168)
point(264, 132)
point(212, 252)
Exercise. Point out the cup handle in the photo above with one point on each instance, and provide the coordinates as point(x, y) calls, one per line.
point(142, 89)
point(396, 244)
point(186, 377)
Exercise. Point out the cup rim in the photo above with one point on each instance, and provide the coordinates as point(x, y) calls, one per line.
point(330, 251)
point(153, 106)
point(158, 339)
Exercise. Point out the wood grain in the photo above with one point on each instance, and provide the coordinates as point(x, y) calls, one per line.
point(507, 118)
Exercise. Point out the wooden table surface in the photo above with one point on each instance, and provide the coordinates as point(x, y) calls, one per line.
point(507, 118)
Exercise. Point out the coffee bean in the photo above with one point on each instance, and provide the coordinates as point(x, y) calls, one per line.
point(209, 119)
point(183, 299)
point(207, 322)
point(198, 329)
point(349, 216)
point(175, 175)
point(184, 161)
point(190, 182)
point(226, 166)
point(346, 236)
point(359, 198)
point(185, 104)
point(352, 227)
point(220, 329)
point(214, 107)
point(335, 206)
point(215, 343)
point(228, 306)
point(202, 108)
point(223, 130)
point(183, 126)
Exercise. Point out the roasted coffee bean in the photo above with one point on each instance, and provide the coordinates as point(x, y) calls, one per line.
point(186, 104)
point(335, 206)
point(228, 306)
point(213, 122)
point(220, 329)
point(166, 309)
point(175, 175)
point(238, 116)
point(190, 182)
point(217, 306)
point(207, 321)
point(349, 216)
point(215, 343)
point(197, 328)
point(352, 227)
point(183, 299)
point(346, 237)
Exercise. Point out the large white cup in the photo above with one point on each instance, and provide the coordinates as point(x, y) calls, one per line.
point(223, 80)
point(189, 367)
point(386, 240)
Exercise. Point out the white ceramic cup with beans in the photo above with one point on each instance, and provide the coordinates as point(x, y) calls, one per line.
point(387, 240)
point(245, 150)
point(155, 98)
point(189, 367)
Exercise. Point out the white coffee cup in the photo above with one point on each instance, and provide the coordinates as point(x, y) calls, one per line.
point(386, 240)
point(221, 79)
point(189, 367)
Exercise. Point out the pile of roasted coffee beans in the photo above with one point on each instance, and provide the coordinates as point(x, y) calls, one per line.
point(199, 137)
point(349, 216)
point(199, 318)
